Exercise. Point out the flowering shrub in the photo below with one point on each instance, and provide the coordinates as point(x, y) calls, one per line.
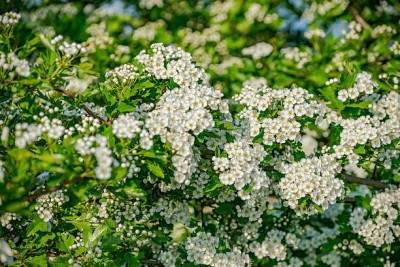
point(213, 133)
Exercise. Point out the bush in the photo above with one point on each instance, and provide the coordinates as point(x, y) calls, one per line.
point(258, 143)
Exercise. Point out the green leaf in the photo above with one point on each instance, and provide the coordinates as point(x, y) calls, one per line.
point(37, 225)
point(30, 81)
point(97, 233)
point(359, 150)
point(66, 242)
point(303, 201)
point(46, 42)
point(155, 169)
point(318, 208)
point(214, 184)
point(131, 260)
point(363, 104)
point(224, 208)
point(124, 107)
point(38, 261)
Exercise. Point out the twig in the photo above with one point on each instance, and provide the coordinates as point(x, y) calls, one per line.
point(91, 113)
point(151, 263)
point(53, 189)
point(357, 17)
point(351, 200)
point(357, 180)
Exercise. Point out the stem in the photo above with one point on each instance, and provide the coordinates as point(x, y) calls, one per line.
point(91, 113)
point(357, 180)
point(357, 17)
point(350, 200)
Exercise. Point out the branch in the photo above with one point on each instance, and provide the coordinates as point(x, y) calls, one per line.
point(357, 17)
point(53, 189)
point(350, 200)
point(357, 180)
point(91, 113)
point(151, 263)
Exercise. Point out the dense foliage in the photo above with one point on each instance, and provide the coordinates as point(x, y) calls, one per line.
point(199, 133)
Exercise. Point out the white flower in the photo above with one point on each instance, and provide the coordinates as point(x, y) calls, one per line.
point(258, 51)
point(5, 251)
point(76, 86)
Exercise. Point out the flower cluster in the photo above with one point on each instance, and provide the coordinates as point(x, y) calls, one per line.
point(56, 39)
point(395, 48)
point(381, 228)
point(149, 4)
point(315, 34)
point(9, 19)
point(284, 127)
point(173, 211)
point(202, 249)
point(258, 50)
point(26, 133)
point(48, 204)
point(312, 238)
point(88, 125)
point(183, 112)
point(126, 126)
point(71, 49)
point(92, 249)
point(384, 30)
point(148, 31)
point(255, 82)
point(353, 32)
point(85, 146)
point(273, 246)
point(7, 218)
point(119, 211)
point(379, 129)
point(332, 81)
point(364, 84)
point(323, 8)
point(353, 245)
point(296, 55)
point(11, 62)
point(222, 68)
point(169, 62)
point(332, 259)
point(256, 12)
point(5, 251)
point(122, 75)
point(312, 179)
point(99, 38)
point(241, 167)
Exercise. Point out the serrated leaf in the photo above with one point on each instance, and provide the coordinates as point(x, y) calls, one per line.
point(214, 184)
point(124, 107)
point(39, 261)
point(35, 226)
